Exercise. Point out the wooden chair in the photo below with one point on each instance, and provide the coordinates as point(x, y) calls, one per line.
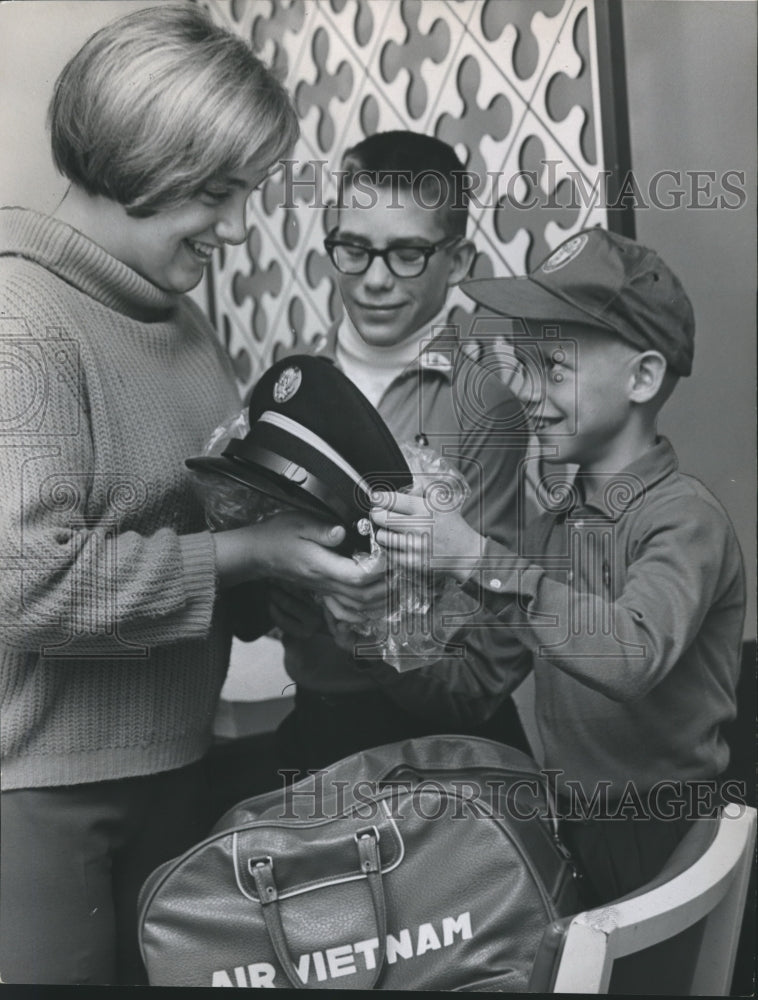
point(677, 935)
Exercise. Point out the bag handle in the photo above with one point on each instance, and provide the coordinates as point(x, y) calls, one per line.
point(262, 870)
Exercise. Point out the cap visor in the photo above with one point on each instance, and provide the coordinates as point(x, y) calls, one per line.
point(263, 482)
point(523, 298)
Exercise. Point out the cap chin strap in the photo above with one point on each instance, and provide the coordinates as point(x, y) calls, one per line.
point(303, 433)
point(290, 471)
point(246, 452)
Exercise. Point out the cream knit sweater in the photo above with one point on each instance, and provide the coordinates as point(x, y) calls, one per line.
point(113, 645)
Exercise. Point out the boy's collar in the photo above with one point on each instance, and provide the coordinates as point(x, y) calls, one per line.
point(438, 353)
point(625, 490)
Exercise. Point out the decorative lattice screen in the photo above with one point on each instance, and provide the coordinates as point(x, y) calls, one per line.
point(513, 85)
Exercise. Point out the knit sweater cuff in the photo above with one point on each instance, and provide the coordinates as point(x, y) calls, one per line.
point(200, 578)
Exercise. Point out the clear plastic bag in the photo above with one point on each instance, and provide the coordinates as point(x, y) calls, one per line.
point(227, 503)
point(419, 616)
point(422, 607)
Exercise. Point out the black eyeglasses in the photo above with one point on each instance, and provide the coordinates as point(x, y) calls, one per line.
point(404, 260)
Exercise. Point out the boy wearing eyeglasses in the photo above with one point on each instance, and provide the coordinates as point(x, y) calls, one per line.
point(399, 248)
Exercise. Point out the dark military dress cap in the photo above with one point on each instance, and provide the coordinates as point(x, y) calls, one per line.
point(316, 443)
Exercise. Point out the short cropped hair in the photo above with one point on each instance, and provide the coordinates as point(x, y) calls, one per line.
point(426, 166)
point(161, 100)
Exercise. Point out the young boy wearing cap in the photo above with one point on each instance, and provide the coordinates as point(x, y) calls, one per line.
point(395, 260)
point(627, 596)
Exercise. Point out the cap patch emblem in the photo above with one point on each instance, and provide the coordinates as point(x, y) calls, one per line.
point(565, 254)
point(287, 384)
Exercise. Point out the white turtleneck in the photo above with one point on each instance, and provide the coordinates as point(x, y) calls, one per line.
point(373, 368)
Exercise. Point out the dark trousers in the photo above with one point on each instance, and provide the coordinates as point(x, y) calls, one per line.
point(617, 856)
point(322, 729)
point(72, 862)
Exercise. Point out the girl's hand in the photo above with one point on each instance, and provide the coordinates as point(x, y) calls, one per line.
point(296, 548)
point(420, 537)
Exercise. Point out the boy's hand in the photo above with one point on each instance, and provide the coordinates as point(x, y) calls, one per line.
point(417, 535)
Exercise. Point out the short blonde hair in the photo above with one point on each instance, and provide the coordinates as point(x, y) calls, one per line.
point(161, 100)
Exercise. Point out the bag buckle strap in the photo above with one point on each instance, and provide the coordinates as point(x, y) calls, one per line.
point(262, 870)
point(368, 849)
